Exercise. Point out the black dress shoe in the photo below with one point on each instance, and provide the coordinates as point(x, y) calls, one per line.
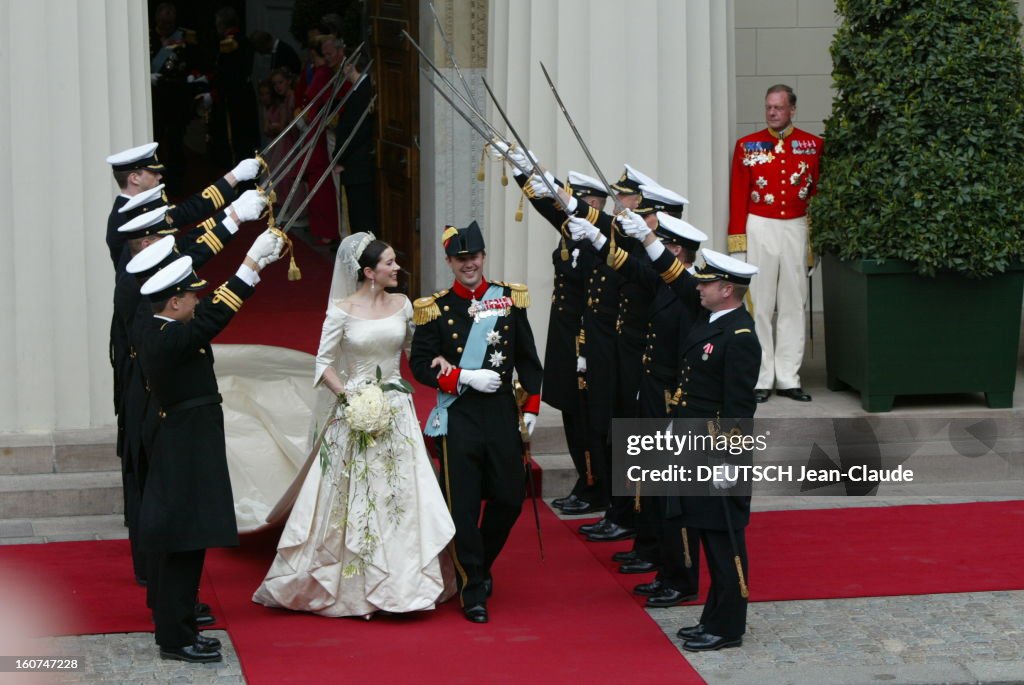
point(668, 598)
point(205, 620)
point(797, 394)
point(597, 526)
point(761, 395)
point(624, 557)
point(638, 566)
point(562, 501)
point(611, 533)
point(706, 642)
point(476, 613)
point(202, 609)
point(690, 632)
point(650, 589)
point(193, 654)
point(582, 507)
point(208, 644)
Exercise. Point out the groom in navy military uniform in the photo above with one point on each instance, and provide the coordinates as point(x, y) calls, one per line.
point(481, 330)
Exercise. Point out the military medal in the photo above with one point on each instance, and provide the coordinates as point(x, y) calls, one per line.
point(779, 147)
point(497, 358)
point(474, 309)
point(493, 338)
point(707, 350)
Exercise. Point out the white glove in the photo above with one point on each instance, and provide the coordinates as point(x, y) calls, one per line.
point(539, 188)
point(266, 249)
point(581, 229)
point(517, 156)
point(581, 364)
point(742, 256)
point(246, 170)
point(530, 421)
point(196, 79)
point(497, 150)
point(633, 225)
point(206, 100)
point(718, 478)
point(481, 380)
point(249, 205)
point(153, 78)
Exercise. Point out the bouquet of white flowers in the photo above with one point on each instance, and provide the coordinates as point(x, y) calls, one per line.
point(368, 413)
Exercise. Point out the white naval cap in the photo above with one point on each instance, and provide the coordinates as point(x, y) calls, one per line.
point(149, 223)
point(679, 232)
point(177, 277)
point(721, 267)
point(152, 257)
point(583, 185)
point(658, 198)
point(140, 157)
point(144, 198)
point(631, 180)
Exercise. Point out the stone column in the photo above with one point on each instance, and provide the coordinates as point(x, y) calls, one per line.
point(449, 190)
point(75, 78)
point(648, 83)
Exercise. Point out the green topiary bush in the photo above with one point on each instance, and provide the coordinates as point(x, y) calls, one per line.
point(924, 151)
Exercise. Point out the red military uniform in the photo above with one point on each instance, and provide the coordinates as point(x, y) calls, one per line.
point(773, 175)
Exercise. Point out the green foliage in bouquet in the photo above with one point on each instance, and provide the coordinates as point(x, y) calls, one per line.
point(924, 149)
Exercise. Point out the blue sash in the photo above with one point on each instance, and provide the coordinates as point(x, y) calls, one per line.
point(472, 358)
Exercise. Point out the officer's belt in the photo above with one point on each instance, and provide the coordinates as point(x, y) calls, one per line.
point(193, 403)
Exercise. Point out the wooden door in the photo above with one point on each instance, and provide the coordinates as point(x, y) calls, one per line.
point(398, 125)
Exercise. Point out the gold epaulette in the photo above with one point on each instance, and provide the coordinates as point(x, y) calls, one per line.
point(225, 295)
point(425, 309)
point(520, 293)
point(670, 274)
point(213, 194)
point(228, 44)
point(737, 243)
point(593, 215)
point(741, 330)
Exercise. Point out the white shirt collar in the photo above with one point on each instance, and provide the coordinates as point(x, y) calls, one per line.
point(720, 313)
point(161, 316)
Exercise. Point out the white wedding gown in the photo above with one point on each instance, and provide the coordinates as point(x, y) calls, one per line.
point(368, 529)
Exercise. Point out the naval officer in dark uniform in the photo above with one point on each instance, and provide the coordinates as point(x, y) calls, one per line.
point(720, 359)
point(480, 328)
point(187, 504)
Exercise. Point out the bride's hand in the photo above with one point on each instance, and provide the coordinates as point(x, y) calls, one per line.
point(446, 368)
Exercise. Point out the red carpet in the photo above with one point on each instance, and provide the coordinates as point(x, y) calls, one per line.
point(528, 639)
point(870, 552)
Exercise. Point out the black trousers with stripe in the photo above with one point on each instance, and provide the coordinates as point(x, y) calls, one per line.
point(481, 462)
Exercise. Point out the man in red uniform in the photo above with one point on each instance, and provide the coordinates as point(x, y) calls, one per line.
point(774, 173)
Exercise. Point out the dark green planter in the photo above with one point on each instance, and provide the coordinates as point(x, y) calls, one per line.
point(891, 332)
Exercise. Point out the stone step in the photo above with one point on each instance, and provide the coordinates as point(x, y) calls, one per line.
point(62, 529)
point(559, 475)
point(74, 451)
point(60, 494)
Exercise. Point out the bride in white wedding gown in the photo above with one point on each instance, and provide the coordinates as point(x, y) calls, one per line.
point(369, 525)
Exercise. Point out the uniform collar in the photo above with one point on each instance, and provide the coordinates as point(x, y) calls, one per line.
point(467, 294)
point(784, 134)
